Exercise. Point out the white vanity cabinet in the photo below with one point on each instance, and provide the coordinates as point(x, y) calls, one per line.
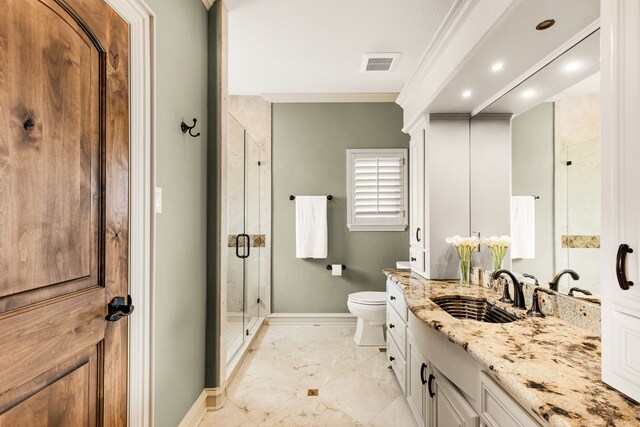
point(417, 207)
point(397, 314)
point(447, 387)
point(620, 196)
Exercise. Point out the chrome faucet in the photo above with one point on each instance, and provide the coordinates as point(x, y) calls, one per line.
point(582, 291)
point(553, 285)
point(518, 298)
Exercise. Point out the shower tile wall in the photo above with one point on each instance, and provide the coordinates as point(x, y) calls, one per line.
point(577, 187)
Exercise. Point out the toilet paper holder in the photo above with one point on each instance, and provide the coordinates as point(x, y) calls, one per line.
point(344, 267)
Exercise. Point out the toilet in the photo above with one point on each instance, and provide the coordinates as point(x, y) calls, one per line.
point(371, 310)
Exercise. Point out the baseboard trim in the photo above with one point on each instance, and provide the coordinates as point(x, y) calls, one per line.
point(215, 398)
point(312, 319)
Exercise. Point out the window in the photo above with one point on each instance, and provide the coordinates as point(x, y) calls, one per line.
point(377, 190)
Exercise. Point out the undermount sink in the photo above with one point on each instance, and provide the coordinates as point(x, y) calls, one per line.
point(481, 310)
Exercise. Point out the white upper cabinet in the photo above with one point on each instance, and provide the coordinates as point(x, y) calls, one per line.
point(620, 243)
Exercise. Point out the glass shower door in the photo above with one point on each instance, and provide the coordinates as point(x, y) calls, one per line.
point(246, 241)
point(234, 332)
point(253, 228)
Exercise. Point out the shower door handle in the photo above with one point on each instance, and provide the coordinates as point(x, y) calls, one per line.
point(247, 245)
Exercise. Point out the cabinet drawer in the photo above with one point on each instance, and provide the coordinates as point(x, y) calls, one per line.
point(498, 409)
point(398, 363)
point(397, 330)
point(417, 259)
point(396, 300)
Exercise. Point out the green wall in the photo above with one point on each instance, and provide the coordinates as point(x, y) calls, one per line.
point(309, 157)
point(181, 171)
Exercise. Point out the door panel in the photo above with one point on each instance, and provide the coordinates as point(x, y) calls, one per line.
point(64, 135)
point(62, 396)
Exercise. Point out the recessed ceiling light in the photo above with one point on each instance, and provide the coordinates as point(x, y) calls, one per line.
point(497, 66)
point(572, 66)
point(528, 93)
point(466, 94)
point(545, 25)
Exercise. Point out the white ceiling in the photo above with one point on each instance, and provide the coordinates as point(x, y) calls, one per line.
point(517, 44)
point(317, 46)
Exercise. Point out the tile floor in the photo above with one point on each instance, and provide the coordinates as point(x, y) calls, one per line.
point(355, 386)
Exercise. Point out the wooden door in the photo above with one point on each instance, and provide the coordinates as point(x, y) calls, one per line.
point(63, 213)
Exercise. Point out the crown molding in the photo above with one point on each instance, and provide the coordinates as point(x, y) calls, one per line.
point(329, 97)
point(452, 22)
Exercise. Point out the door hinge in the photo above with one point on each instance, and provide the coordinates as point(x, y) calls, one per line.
point(259, 164)
point(569, 163)
point(247, 332)
point(258, 301)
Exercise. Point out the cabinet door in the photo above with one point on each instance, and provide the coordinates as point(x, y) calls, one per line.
point(448, 407)
point(416, 188)
point(620, 196)
point(417, 375)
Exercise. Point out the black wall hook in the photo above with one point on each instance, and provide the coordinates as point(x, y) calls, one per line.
point(186, 128)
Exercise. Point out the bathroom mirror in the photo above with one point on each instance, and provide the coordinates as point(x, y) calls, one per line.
point(555, 170)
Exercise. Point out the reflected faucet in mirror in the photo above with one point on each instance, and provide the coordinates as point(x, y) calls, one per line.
point(553, 285)
point(531, 276)
point(582, 291)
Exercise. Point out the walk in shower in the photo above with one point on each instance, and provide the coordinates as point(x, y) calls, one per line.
point(246, 242)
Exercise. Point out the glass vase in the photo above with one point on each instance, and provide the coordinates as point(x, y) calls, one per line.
point(465, 271)
point(497, 263)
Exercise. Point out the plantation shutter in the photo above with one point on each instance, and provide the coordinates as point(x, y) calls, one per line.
point(377, 190)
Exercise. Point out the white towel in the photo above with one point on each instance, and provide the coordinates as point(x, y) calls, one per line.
point(311, 227)
point(523, 227)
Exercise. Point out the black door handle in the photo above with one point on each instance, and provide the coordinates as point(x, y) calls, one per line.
point(621, 270)
point(247, 245)
point(423, 370)
point(119, 308)
point(431, 378)
point(417, 234)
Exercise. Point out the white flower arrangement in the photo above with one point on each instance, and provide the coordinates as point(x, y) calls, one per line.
point(465, 247)
point(498, 247)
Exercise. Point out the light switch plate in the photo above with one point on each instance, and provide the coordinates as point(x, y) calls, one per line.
point(158, 200)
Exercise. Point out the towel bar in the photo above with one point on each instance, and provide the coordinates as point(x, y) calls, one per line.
point(292, 197)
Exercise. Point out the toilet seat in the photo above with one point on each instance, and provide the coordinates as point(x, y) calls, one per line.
point(369, 298)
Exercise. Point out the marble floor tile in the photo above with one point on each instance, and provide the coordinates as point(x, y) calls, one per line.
point(355, 385)
point(396, 414)
point(228, 416)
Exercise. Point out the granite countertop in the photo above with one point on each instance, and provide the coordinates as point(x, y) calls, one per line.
point(547, 365)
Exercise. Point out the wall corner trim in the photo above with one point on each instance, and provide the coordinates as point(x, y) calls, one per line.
point(208, 3)
point(211, 399)
point(329, 97)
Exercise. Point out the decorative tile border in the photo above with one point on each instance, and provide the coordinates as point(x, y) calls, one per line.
point(580, 241)
point(257, 241)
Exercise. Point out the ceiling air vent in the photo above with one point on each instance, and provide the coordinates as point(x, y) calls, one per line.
point(374, 62)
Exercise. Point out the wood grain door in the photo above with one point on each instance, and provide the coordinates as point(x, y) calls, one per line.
point(63, 213)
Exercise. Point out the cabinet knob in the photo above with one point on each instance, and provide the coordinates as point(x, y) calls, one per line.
point(391, 358)
point(392, 298)
point(414, 259)
point(391, 326)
